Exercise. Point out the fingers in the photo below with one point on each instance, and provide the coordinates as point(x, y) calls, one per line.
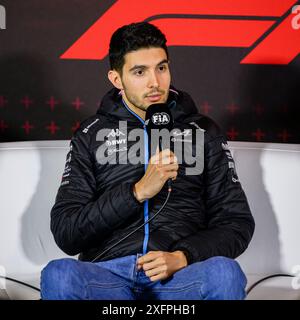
point(154, 265)
point(171, 167)
point(151, 255)
point(157, 174)
point(161, 276)
point(164, 157)
point(169, 172)
point(157, 273)
point(173, 176)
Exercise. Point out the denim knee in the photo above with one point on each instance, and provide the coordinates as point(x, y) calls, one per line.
point(56, 278)
point(225, 279)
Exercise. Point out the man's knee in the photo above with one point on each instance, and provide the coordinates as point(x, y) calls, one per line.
point(56, 278)
point(225, 278)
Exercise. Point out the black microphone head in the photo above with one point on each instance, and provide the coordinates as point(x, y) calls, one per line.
point(158, 116)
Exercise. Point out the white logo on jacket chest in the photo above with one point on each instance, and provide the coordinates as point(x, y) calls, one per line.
point(185, 133)
point(115, 133)
point(115, 142)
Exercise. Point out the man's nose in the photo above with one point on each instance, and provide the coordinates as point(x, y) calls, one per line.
point(153, 80)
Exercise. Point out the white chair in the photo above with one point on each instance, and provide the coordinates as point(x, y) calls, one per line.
point(30, 174)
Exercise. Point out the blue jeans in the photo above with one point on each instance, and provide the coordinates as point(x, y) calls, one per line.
point(217, 278)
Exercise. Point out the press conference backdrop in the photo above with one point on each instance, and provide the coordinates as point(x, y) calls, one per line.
point(238, 59)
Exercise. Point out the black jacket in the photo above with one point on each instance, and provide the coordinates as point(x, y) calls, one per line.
point(207, 214)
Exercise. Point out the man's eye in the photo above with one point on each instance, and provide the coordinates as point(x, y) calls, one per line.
point(162, 68)
point(139, 72)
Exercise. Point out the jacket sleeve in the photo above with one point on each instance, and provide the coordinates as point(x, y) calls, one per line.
point(229, 221)
point(81, 217)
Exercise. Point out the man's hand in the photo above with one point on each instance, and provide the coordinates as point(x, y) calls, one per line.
point(160, 265)
point(162, 166)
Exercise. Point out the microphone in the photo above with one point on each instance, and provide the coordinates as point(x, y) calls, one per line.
point(159, 117)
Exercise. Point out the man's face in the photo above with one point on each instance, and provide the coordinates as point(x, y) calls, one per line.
point(145, 77)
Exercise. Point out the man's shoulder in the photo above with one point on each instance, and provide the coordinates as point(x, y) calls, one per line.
point(88, 126)
point(193, 116)
point(205, 123)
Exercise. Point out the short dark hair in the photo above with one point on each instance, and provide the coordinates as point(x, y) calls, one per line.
point(133, 37)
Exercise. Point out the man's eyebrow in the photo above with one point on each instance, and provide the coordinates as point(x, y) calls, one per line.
point(137, 67)
point(144, 66)
point(163, 61)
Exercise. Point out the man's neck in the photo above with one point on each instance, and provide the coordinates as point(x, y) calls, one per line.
point(133, 108)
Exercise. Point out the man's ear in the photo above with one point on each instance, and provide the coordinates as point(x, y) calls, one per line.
point(115, 78)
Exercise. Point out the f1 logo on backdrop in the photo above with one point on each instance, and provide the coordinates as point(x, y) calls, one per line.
point(265, 24)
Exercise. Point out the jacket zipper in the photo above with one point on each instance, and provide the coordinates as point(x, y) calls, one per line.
point(146, 160)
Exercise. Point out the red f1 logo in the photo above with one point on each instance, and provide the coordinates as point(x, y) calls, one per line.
point(231, 23)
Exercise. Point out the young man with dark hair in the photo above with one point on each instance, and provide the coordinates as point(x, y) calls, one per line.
point(103, 209)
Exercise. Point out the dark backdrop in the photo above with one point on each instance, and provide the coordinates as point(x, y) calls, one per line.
point(239, 61)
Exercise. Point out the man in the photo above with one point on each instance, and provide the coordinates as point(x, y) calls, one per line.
point(102, 209)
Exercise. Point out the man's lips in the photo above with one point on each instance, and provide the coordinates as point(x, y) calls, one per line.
point(154, 97)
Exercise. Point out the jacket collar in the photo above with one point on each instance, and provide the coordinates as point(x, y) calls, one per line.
point(180, 103)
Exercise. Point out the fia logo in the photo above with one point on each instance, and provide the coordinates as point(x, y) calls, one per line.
point(2, 18)
point(160, 118)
